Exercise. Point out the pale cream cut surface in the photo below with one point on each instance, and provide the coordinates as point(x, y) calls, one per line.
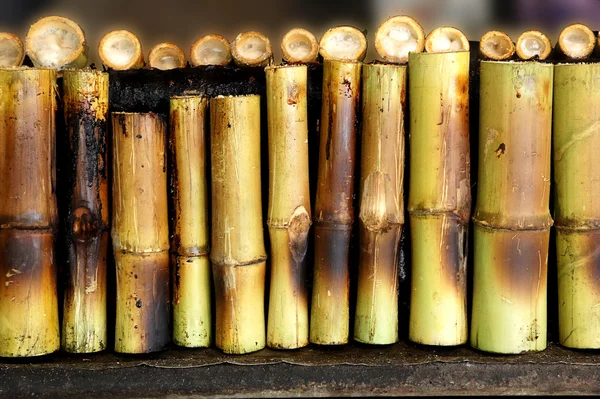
point(166, 56)
point(399, 36)
point(120, 49)
point(11, 50)
point(577, 41)
point(343, 43)
point(211, 50)
point(299, 45)
point(533, 43)
point(446, 39)
point(53, 42)
point(496, 45)
point(251, 48)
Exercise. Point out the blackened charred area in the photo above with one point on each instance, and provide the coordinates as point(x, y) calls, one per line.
point(332, 258)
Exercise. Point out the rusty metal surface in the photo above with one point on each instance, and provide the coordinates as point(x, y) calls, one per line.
point(400, 369)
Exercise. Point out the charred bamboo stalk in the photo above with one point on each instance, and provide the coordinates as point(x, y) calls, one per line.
point(576, 139)
point(512, 218)
point(299, 45)
point(210, 50)
point(121, 50)
point(289, 217)
point(439, 200)
point(192, 320)
point(577, 42)
point(140, 232)
point(166, 56)
point(397, 37)
point(381, 202)
point(57, 43)
point(334, 212)
point(29, 324)
point(496, 45)
point(12, 50)
point(251, 49)
point(238, 253)
point(533, 44)
point(85, 101)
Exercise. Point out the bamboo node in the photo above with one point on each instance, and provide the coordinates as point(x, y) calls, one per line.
point(298, 228)
point(378, 208)
point(85, 224)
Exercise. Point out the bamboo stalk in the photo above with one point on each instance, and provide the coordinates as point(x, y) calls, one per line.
point(576, 126)
point(397, 37)
point(577, 41)
point(85, 101)
point(251, 49)
point(165, 56)
point(210, 50)
point(496, 45)
point(29, 324)
point(140, 232)
point(446, 39)
point(238, 254)
point(121, 50)
point(439, 200)
point(57, 43)
point(334, 212)
point(299, 46)
point(192, 319)
point(289, 217)
point(12, 51)
point(343, 43)
point(381, 203)
point(512, 218)
point(532, 44)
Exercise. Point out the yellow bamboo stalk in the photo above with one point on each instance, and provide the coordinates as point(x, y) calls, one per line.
point(289, 217)
point(299, 45)
point(238, 254)
point(140, 232)
point(166, 56)
point(12, 50)
point(496, 45)
point(577, 41)
point(397, 37)
point(439, 200)
point(192, 320)
point(29, 323)
point(512, 218)
point(121, 50)
point(381, 202)
point(251, 49)
point(533, 43)
point(343, 43)
point(210, 50)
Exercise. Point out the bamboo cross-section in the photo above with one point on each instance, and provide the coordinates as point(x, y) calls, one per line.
point(439, 200)
point(29, 323)
point(512, 216)
point(289, 216)
point(85, 102)
point(576, 140)
point(381, 203)
point(238, 253)
point(192, 321)
point(334, 211)
point(140, 232)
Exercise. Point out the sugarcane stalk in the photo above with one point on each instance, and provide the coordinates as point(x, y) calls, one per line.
point(334, 211)
point(85, 99)
point(29, 323)
point(192, 320)
point(238, 253)
point(512, 219)
point(140, 232)
point(289, 216)
point(381, 202)
point(576, 138)
point(439, 200)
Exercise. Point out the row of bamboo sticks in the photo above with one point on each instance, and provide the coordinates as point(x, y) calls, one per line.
point(511, 220)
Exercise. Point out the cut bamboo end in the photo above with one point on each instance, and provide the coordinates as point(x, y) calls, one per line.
point(57, 43)
point(251, 49)
point(299, 46)
point(289, 216)
point(166, 56)
point(397, 37)
point(343, 43)
point(509, 290)
point(210, 50)
point(577, 41)
point(446, 39)
point(533, 43)
point(192, 318)
point(85, 99)
point(12, 51)
point(121, 50)
point(496, 45)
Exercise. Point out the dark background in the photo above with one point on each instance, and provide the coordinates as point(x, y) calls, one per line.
point(183, 21)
